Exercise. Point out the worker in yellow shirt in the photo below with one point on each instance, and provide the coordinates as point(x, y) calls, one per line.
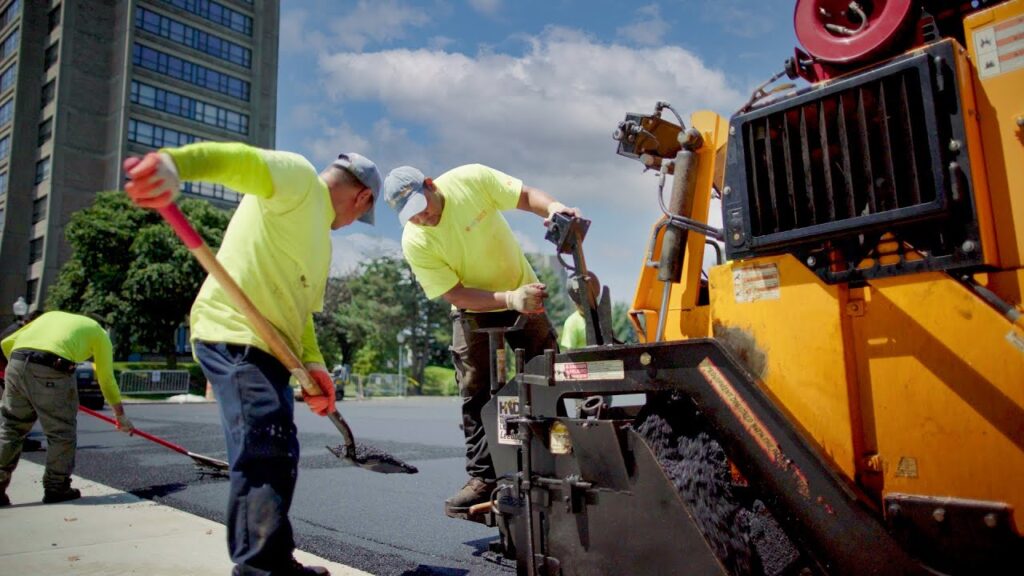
point(574, 329)
point(277, 247)
point(40, 384)
point(461, 248)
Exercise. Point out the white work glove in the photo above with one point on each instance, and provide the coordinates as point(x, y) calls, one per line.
point(528, 298)
point(124, 424)
point(154, 180)
point(557, 207)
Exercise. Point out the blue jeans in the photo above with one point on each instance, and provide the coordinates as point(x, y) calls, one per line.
point(256, 405)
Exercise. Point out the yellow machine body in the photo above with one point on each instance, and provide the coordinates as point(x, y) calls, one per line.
point(911, 384)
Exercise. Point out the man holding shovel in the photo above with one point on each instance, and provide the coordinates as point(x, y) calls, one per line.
point(40, 384)
point(277, 248)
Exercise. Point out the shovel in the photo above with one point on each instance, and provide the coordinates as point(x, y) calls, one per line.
point(218, 466)
point(370, 458)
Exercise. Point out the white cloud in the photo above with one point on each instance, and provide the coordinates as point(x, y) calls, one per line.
point(376, 21)
point(352, 248)
point(545, 116)
point(488, 7)
point(648, 29)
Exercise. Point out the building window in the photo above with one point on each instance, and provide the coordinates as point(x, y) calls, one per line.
point(45, 131)
point(49, 91)
point(157, 61)
point(208, 190)
point(31, 288)
point(5, 147)
point(6, 112)
point(51, 55)
point(187, 107)
point(157, 136)
point(193, 38)
point(53, 19)
point(7, 78)
point(217, 13)
point(3, 182)
point(42, 169)
point(35, 253)
point(39, 210)
point(10, 13)
point(10, 44)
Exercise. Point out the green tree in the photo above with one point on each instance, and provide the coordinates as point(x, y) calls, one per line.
point(129, 267)
point(369, 307)
point(621, 326)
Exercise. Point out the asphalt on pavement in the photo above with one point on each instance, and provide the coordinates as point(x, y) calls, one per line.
point(383, 524)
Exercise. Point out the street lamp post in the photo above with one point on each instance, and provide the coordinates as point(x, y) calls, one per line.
point(401, 340)
point(20, 308)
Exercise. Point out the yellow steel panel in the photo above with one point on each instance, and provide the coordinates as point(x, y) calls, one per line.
point(792, 339)
point(999, 66)
point(942, 390)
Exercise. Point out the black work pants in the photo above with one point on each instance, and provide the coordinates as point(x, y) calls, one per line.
point(470, 354)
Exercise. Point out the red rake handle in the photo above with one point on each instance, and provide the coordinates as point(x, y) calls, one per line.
point(172, 214)
point(136, 431)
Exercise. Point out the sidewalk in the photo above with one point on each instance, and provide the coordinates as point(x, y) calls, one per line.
point(108, 532)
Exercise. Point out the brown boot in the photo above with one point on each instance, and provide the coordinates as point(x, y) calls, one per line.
point(475, 491)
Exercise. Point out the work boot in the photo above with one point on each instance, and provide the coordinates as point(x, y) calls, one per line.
point(31, 445)
point(4, 500)
point(62, 495)
point(296, 569)
point(476, 491)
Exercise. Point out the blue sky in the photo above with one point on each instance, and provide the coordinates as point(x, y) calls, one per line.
point(532, 88)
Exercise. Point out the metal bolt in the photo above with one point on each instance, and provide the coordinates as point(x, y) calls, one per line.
point(954, 145)
point(969, 246)
point(894, 509)
point(1020, 121)
point(732, 130)
point(645, 359)
point(736, 236)
point(939, 514)
point(811, 261)
point(727, 191)
point(991, 520)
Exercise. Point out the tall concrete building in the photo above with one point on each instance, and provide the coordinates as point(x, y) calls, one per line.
point(86, 83)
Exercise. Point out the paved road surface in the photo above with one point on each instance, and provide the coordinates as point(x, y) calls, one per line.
point(383, 524)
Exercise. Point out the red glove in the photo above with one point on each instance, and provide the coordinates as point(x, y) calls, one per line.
point(154, 180)
point(324, 403)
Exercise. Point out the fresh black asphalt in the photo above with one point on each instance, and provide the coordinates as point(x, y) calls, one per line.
point(382, 524)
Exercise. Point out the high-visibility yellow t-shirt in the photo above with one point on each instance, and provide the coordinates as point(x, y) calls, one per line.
point(574, 332)
point(72, 337)
point(472, 243)
point(277, 246)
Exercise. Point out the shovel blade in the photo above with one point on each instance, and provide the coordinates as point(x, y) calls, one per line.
point(372, 459)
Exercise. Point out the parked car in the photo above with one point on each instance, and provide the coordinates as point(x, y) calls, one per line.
point(89, 394)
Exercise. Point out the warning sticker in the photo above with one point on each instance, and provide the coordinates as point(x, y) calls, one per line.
point(753, 283)
point(602, 370)
point(508, 407)
point(1000, 47)
point(907, 467)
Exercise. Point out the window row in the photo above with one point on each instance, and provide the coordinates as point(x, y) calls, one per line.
point(53, 19)
point(39, 209)
point(217, 13)
point(6, 112)
point(157, 61)
point(157, 136)
point(5, 147)
point(51, 55)
point(10, 44)
point(10, 13)
point(208, 190)
point(193, 38)
point(3, 183)
point(7, 78)
point(187, 107)
point(42, 170)
point(35, 254)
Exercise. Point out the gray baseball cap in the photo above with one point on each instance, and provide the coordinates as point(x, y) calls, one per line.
point(403, 191)
point(366, 172)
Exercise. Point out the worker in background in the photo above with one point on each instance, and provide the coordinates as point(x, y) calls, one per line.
point(28, 444)
point(277, 247)
point(574, 329)
point(41, 384)
point(461, 248)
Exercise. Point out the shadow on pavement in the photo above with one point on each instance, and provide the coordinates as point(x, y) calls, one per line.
point(424, 570)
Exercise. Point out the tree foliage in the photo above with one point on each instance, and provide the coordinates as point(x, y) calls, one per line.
point(129, 267)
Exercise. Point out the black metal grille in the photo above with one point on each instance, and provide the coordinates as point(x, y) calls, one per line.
point(827, 173)
point(850, 154)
